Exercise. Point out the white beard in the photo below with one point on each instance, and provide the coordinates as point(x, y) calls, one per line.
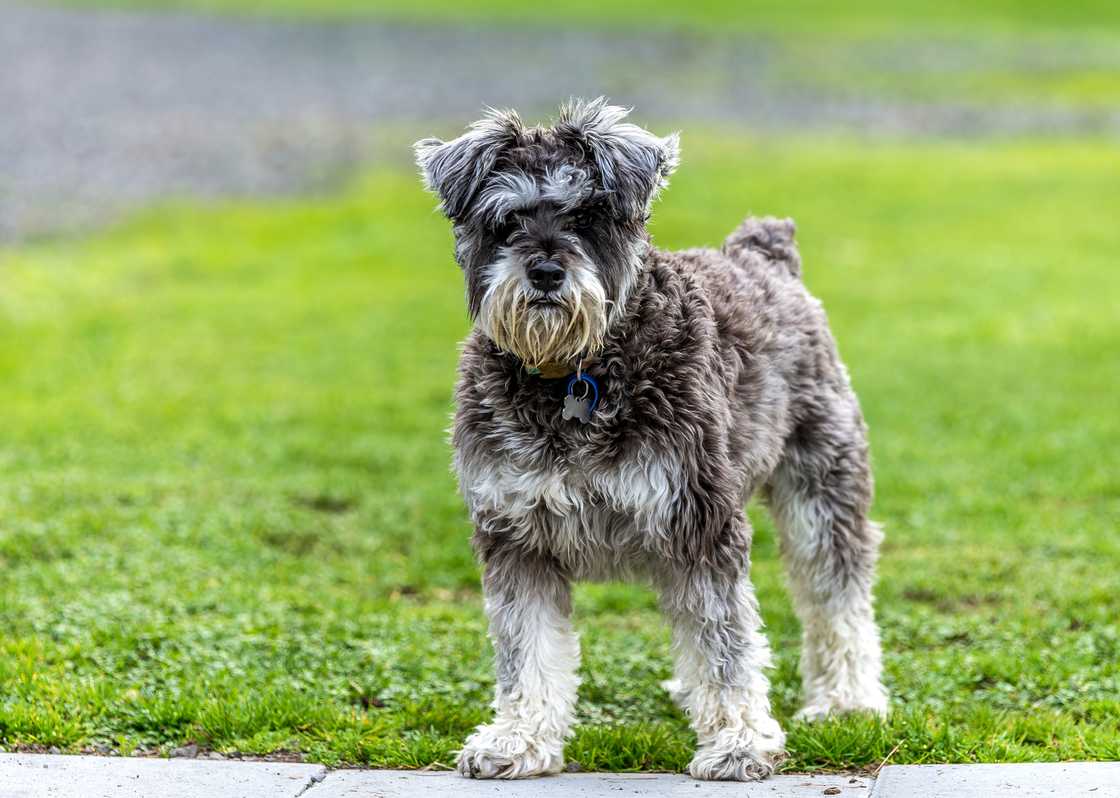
point(540, 334)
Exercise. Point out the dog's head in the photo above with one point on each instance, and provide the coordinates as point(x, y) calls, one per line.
point(549, 222)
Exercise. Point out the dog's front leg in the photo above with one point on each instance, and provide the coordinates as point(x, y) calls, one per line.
point(528, 602)
point(721, 655)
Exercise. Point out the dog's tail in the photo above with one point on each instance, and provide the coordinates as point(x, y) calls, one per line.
point(766, 239)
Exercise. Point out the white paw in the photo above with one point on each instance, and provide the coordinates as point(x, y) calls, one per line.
point(744, 755)
point(872, 700)
point(503, 753)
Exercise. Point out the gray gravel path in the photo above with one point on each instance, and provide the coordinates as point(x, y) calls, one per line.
point(103, 111)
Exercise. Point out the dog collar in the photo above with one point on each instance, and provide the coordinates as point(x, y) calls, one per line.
point(559, 370)
point(549, 371)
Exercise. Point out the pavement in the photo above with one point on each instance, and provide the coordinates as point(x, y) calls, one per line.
point(108, 110)
point(1051, 780)
point(58, 776)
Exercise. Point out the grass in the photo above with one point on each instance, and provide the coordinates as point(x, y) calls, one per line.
point(226, 514)
point(766, 16)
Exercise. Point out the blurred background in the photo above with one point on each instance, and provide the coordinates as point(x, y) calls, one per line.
point(228, 328)
point(112, 105)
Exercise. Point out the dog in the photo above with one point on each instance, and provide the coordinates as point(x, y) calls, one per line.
point(616, 407)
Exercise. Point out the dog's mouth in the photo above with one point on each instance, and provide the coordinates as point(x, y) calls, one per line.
point(545, 302)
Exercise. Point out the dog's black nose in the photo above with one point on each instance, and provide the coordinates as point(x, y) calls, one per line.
point(548, 275)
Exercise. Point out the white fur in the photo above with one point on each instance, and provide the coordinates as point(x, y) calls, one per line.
point(505, 193)
point(639, 251)
point(737, 736)
point(579, 499)
point(514, 190)
point(537, 335)
point(567, 186)
point(531, 721)
point(533, 718)
point(841, 663)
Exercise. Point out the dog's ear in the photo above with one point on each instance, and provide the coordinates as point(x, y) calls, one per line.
point(633, 163)
point(455, 169)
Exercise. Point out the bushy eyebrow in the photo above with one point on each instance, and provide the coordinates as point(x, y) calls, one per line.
point(568, 186)
point(510, 191)
point(504, 193)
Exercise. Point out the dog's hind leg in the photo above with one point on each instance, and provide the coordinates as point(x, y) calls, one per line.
point(820, 496)
point(528, 601)
point(721, 656)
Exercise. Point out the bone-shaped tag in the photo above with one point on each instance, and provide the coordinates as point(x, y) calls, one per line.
point(577, 408)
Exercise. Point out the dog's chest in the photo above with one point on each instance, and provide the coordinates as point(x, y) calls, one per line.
point(575, 509)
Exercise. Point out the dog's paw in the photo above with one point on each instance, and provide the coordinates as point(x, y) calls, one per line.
point(872, 700)
point(493, 753)
point(744, 756)
point(746, 763)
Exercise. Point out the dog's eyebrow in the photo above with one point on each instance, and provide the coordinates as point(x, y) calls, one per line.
point(506, 192)
point(509, 191)
point(567, 186)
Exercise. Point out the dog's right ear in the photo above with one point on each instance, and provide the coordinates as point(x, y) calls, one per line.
point(455, 169)
point(634, 164)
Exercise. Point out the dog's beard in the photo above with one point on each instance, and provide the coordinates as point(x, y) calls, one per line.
point(570, 326)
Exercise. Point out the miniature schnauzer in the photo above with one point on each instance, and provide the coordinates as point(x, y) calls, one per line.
point(617, 405)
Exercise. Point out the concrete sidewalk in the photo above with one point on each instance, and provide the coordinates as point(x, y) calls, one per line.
point(1026, 780)
point(399, 784)
point(49, 776)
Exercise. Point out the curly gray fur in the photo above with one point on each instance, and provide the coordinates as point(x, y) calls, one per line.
point(719, 379)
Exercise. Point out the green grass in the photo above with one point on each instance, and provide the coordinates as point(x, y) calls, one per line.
point(768, 16)
point(226, 514)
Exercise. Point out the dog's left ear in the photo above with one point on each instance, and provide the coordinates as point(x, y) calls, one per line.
point(634, 164)
point(455, 169)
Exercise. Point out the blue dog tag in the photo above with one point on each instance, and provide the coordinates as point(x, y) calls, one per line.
point(582, 398)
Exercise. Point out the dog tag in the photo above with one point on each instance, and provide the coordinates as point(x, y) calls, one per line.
point(583, 396)
point(577, 408)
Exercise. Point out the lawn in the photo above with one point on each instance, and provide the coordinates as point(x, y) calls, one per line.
point(226, 514)
point(767, 16)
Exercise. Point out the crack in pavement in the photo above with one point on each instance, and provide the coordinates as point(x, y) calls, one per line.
point(315, 778)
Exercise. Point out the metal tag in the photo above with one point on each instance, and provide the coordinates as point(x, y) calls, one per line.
point(577, 408)
point(582, 398)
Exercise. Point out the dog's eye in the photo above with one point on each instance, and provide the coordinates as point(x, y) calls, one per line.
point(506, 231)
point(582, 218)
point(585, 215)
